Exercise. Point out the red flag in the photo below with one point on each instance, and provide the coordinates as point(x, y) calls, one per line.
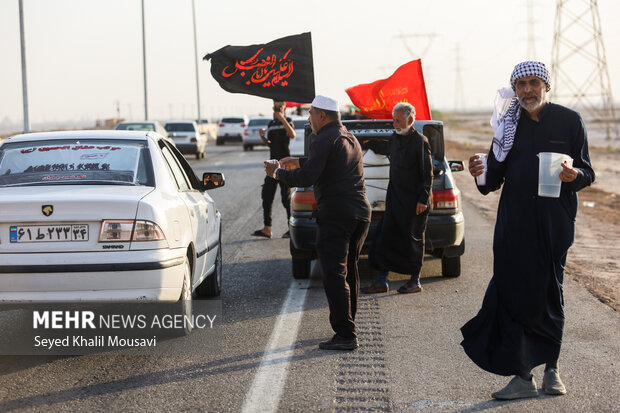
point(295, 104)
point(376, 100)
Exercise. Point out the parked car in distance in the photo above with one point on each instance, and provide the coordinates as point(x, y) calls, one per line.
point(187, 137)
point(230, 128)
point(105, 216)
point(144, 125)
point(296, 146)
point(251, 134)
point(445, 231)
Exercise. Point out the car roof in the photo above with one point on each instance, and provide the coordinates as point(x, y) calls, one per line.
point(83, 134)
point(126, 122)
point(181, 121)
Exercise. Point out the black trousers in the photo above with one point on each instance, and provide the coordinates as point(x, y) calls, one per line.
point(338, 245)
point(268, 193)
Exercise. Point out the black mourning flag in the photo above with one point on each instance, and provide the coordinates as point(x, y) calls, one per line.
point(280, 70)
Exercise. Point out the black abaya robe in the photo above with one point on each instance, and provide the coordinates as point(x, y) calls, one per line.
point(399, 239)
point(521, 321)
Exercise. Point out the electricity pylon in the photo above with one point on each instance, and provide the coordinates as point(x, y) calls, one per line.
point(578, 63)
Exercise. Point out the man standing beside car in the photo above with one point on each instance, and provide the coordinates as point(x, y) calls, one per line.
point(399, 241)
point(335, 168)
point(521, 322)
point(280, 132)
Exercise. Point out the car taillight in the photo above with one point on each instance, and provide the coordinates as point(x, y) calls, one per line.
point(445, 199)
point(147, 231)
point(304, 201)
point(246, 133)
point(193, 139)
point(130, 230)
point(243, 125)
point(221, 125)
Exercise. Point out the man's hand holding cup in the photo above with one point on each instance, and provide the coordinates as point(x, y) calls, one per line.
point(270, 167)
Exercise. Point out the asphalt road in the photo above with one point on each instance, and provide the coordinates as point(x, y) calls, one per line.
point(409, 360)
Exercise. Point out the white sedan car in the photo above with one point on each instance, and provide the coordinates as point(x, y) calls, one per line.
point(105, 216)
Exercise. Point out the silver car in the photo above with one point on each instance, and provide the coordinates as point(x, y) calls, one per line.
point(251, 134)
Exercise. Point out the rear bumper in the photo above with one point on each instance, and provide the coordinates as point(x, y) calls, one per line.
point(187, 148)
point(93, 276)
point(230, 137)
point(442, 231)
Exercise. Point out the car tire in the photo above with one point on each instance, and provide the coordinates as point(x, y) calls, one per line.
point(212, 285)
point(451, 266)
point(198, 155)
point(301, 268)
point(251, 147)
point(219, 141)
point(185, 301)
point(246, 148)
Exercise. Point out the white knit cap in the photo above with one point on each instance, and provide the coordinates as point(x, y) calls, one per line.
point(325, 103)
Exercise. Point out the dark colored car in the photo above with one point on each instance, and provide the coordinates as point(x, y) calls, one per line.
point(445, 232)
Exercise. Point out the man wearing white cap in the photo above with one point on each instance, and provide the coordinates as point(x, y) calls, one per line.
point(521, 322)
point(335, 168)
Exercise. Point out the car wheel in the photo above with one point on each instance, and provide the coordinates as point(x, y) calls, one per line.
point(451, 266)
point(185, 301)
point(246, 148)
point(251, 147)
point(198, 155)
point(301, 268)
point(219, 141)
point(212, 285)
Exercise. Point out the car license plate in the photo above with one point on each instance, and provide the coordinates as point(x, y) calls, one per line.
point(48, 233)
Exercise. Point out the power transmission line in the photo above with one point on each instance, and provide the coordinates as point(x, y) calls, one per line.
point(577, 44)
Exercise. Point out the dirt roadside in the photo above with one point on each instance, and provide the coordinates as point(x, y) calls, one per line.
point(593, 259)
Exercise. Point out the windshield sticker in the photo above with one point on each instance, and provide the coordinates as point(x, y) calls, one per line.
point(73, 148)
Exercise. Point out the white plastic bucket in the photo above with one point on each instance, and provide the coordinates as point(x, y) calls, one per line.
point(549, 168)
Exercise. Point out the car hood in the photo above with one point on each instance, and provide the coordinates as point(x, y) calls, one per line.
point(70, 202)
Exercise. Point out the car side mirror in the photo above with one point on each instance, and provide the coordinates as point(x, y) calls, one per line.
point(212, 180)
point(456, 166)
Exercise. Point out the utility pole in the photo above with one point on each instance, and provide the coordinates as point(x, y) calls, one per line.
point(579, 65)
point(24, 80)
point(429, 36)
point(531, 38)
point(196, 61)
point(146, 105)
point(459, 97)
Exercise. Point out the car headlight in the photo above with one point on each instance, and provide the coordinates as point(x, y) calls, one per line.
point(130, 230)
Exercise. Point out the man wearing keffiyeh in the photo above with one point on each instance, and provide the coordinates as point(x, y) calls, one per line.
point(521, 321)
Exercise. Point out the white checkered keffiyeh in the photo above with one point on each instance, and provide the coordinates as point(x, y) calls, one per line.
point(504, 122)
point(530, 68)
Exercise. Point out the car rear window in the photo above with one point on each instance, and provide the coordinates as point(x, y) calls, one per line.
point(232, 120)
point(179, 127)
point(300, 124)
point(136, 126)
point(259, 122)
point(85, 162)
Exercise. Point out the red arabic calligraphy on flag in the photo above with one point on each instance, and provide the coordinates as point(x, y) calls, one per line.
point(281, 70)
point(376, 100)
point(269, 72)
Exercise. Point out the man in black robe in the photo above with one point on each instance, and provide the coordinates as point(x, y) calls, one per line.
point(335, 168)
point(399, 241)
point(521, 321)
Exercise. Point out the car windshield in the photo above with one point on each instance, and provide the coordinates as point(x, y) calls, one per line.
point(258, 122)
point(136, 126)
point(232, 120)
point(179, 127)
point(86, 162)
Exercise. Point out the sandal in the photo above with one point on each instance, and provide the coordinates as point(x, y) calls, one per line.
point(375, 288)
point(409, 287)
point(260, 233)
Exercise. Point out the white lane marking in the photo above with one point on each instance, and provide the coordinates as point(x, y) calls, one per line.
point(218, 163)
point(266, 390)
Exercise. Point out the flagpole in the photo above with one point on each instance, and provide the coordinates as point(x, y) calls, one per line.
point(196, 60)
point(24, 80)
point(146, 105)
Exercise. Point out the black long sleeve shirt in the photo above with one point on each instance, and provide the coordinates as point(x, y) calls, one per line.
point(335, 168)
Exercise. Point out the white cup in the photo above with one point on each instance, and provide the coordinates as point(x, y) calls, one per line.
point(481, 180)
